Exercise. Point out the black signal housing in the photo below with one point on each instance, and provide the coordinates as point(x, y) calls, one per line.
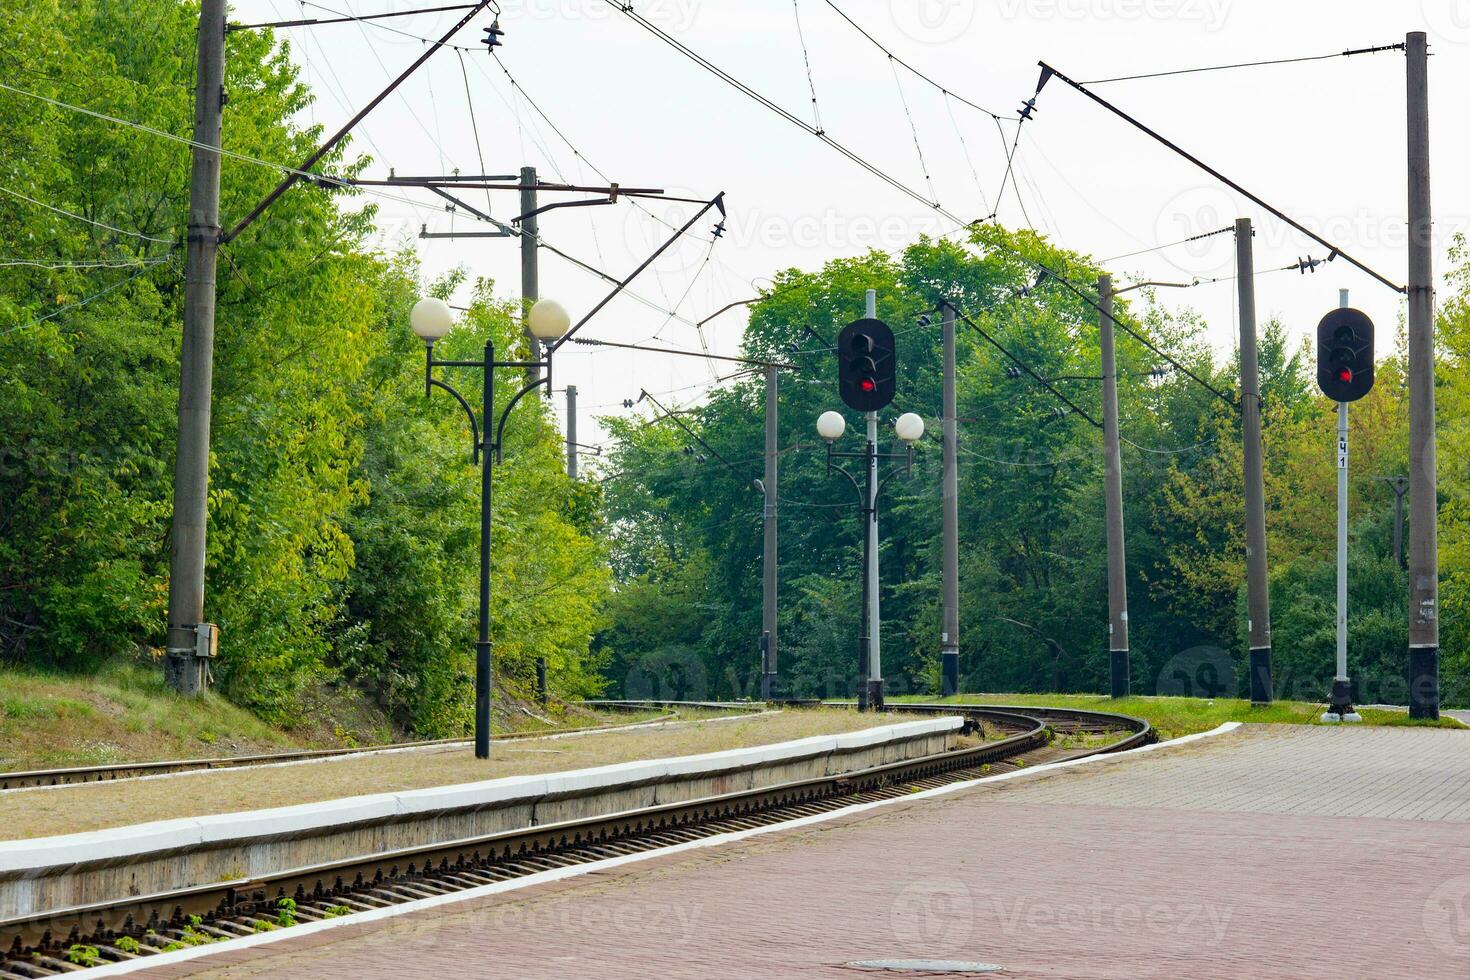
point(867, 365)
point(1345, 355)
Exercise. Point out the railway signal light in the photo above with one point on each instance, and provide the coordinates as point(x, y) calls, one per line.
point(867, 365)
point(1345, 354)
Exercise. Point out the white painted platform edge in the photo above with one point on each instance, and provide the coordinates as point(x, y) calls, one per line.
point(139, 839)
point(506, 745)
point(558, 874)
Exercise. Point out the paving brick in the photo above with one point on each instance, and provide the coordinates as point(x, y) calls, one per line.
point(1249, 855)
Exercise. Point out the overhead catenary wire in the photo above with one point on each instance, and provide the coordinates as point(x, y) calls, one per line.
point(914, 129)
point(1049, 72)
point(965, 317)
point(1248, 64)
point(780, 110)
point(691, 433)
point(918, 74)
point(79, 303)
point(80, 217)
point(1158, 248)
point(6, 263)
point(321, 179)
point(807, 60)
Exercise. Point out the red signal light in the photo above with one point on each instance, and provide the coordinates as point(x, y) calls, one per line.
point(1345, 375)
point(867, 385)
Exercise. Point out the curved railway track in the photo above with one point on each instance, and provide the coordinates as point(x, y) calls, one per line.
point(62, 942)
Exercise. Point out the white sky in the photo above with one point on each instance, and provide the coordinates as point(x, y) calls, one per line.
point(1322, 140)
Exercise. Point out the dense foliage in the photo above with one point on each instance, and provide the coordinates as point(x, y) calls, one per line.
point(343, 507)
point(343, 529)
point(686, 525)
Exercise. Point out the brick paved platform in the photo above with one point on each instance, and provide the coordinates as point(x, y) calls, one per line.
point(1267, 852)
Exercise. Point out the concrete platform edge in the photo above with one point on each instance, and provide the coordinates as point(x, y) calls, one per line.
point(558, 874)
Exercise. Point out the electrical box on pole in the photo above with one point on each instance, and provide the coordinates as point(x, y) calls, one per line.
point(1345, 355)
point(867, 365)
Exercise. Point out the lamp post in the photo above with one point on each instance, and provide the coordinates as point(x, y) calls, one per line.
point(909, 428)
point(431, 320)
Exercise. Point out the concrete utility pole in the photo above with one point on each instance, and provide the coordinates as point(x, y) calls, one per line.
point(1340, 703)
point(530, 281)
point(1113, 493)
point(1257, 583)
point(769, 555)
point(949, 637)
point(1423, 511)
point(875, 646)
point(184, 670)
point(572, 431)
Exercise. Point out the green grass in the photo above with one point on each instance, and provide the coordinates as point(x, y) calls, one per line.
point(125, 712)
point(1173, 717)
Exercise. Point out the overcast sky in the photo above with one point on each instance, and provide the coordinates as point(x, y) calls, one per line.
point(1323, 140)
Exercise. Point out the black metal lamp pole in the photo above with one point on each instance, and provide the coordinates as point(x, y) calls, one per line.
point(487, 451)
point(869, 688)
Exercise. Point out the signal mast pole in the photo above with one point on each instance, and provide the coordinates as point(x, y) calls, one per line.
point(1340, 706)
point(875, 654)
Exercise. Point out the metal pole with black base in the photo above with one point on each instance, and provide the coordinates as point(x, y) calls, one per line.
point(949, 633)
point(910, 429)
point(484, 648)
point(1423, 503)
point(1257, 581)
point(769, 562)
point(431, 320)
point(1113, 498)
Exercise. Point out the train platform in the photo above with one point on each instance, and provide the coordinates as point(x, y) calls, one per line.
point(1264, 851)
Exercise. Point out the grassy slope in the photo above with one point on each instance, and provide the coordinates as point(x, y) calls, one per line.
point(1173, 717)
point(126, 713)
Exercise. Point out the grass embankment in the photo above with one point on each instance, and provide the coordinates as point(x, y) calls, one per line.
point(93, 806)
point(125, 713)
point(1173, 717)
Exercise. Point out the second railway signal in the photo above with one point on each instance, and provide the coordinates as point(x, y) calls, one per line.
point(867, 365)
point(1345, 354)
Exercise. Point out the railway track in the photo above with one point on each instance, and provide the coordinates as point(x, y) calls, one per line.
point(132, 770)
point(62, 942)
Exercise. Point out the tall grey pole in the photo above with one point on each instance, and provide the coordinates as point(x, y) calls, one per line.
point(1340, 705)
point(484, 645)
point(875, 620)
point(1423, 512)
point(530, 282)
point(949, 637)
point(1113, 494)
point(769, 554)
point(572, 431)
point(1257, 582)
point(184, 671)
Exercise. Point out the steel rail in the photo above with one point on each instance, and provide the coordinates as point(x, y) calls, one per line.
point(227, 909)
